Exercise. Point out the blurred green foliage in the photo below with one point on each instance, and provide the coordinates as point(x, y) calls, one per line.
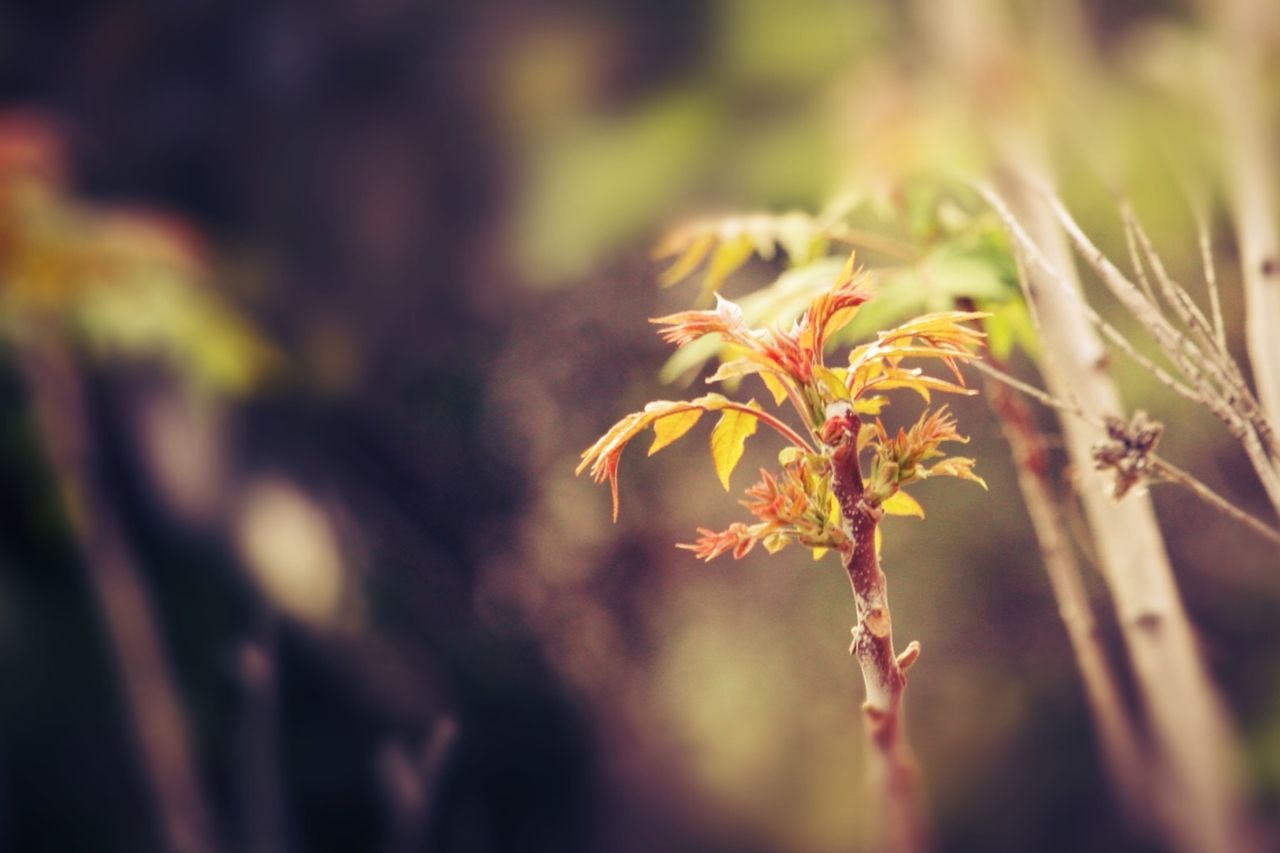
point(128, 283)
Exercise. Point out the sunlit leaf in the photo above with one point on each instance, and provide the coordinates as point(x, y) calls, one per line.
point(775, 386)
point(672, 427)
point(728, 441)
point(873, 405)
point(901, 503)
point(956, 466)
point(728, 257)
point(736, 238)
point(780, 303)
point(832, 381)
point(690, 259)
point(736, 369)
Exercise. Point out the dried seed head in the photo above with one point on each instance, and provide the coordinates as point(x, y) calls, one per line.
point(1128, 450)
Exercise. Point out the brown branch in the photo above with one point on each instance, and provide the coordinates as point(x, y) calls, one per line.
point(882, 669)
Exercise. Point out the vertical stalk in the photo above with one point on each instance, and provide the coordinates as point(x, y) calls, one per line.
point(261, 790)
point(159, 729)
point(1118, 736)
point(882, 670)
point(1202, 803)
point(1249, 139)
point(1202, 806)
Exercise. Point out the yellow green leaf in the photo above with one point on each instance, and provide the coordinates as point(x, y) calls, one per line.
point(668, 429)
point(960, 467)
point(774, 544)
point(728, 256)
point(788, 455)
point(901, 503)
point(832, 382)
point(775, 386)
point(688, 261)
point(879, 540)
point(728, 441)
point(870, 405)
point(735, 369)
point(865, 433)
point(819, 553)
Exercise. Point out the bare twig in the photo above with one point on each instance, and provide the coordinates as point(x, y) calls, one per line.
point(1210, 275)
point(1217, 386)
point(1032, 251)
point(1182, 303)
point(1174, 474)
point(1160, 466)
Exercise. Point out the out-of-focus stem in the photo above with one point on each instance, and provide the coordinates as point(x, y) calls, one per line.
point(1249, 139)
point(261, 789)
point(1117, 735)
point(159, 728)
point(906, 828)
point(1202, 807)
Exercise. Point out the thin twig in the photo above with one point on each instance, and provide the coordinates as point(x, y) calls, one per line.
point(1203, 238)
point(1237, 409)
point(1174, 474)
point(1167, 469)
point(1139, 269)
point(1110, 332)
point(1182, 303)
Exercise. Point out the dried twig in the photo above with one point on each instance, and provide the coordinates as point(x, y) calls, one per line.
point(1155, 465)
point(1216, 379)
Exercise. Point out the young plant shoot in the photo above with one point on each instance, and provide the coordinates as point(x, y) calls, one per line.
point(841, 472)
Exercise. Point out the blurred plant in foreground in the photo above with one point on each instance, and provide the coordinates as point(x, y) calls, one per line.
point(76, 283)
point(820, 497)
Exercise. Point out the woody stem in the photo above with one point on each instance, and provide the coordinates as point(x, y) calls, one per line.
point(882, 674)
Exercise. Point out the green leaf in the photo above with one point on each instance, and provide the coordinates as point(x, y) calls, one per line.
point(832, 382)
point(774, 544)
point(728, 441)
point(1010, 326)
point(668, 429)
point(728, 257)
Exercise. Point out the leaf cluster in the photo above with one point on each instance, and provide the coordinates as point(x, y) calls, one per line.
point(797, 503)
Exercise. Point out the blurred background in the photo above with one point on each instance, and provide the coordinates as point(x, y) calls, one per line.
point(309, 309)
